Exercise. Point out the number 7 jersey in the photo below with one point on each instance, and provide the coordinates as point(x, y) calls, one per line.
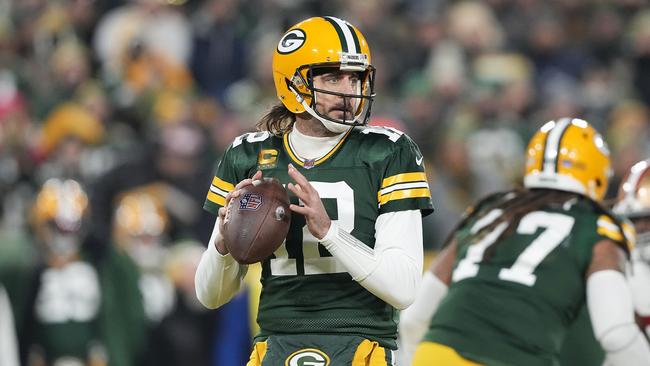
point(517, 286)
point(371, 171)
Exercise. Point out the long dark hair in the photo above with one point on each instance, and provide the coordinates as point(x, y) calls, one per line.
point(278, 120)
point(516, 204)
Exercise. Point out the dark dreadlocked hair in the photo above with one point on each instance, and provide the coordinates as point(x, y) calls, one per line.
point(277, 121)
point(515, 204)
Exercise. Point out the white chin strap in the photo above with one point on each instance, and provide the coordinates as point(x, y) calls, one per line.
point(331, 126)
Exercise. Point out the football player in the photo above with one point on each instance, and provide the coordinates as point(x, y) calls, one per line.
point(515, 272)
point(634, 203)
point(64, 312)
point(8, 340)
point(353, 256)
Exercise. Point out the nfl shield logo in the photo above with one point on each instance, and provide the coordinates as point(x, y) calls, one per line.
point(309, 163)
point(250, 201)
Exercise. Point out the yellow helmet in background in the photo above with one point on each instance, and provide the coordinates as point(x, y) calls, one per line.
point(62, 202)
point(634, 194)
point(322, 42)
point(141, 226)
point(140, 213)
point(568, 155)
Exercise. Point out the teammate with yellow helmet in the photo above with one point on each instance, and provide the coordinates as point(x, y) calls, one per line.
point(569, 155)
point(521, 265)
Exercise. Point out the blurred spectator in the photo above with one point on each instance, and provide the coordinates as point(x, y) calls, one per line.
point(67, 136)
point(175, 166)
point(639, 37)
point(186, 334)
point(155, 27)
point(220, 45)
point(58, 218)
point(8, 340)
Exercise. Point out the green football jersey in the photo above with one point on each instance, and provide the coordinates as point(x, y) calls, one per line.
point(66, 312)
point(580, 346)
point(371, 171)
point(511, 300)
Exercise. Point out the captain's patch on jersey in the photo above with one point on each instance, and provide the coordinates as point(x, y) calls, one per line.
point(308, 357)
point(267, 159)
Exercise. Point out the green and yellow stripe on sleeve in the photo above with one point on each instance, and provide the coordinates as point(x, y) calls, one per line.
point(623, 234)
point(405, 191)
point(218, 191)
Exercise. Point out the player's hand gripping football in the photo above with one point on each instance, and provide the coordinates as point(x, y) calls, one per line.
point(219, 242)
point(318, 222)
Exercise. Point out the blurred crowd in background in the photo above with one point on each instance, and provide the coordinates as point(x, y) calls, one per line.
point(113, 114)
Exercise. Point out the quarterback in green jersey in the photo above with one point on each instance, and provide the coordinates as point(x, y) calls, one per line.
point(520, 266)
point(353, 256)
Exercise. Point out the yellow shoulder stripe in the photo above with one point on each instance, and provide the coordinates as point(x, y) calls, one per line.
point(215, 198)
point(222, 184)
point(404, 177)
point(630, 234)
point(406, 193)
point(607, 228)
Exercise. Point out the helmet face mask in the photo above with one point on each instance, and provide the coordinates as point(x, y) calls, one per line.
point(361, 101)
point(316, 44)
point(633, 199)
point(568, 155)
point(59, 217)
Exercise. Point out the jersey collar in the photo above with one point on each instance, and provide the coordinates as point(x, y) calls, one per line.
point(310, 163)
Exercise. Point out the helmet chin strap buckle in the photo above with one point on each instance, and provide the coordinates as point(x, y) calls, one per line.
point(299, 97)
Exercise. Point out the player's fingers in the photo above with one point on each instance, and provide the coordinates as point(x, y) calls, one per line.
point(297, 190)
point(299, 209)
point(257, 175)
point(244, 183)
point(232, 194)
point(299, 178)
point(222, 212)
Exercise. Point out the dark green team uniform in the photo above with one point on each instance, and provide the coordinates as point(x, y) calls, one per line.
point(580, 346)
point(84, 309)
point(372, 171)
point(511, 301)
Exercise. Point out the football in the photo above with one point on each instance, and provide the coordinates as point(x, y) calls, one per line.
point(257, 222)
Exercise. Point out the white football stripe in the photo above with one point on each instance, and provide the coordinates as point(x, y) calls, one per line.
point(608, 225)
point(348, 35)
point(403, 186)
point(218, 191)
point(553, 144)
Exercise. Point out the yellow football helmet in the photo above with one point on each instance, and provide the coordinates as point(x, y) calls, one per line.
point(634, 194)
point(568, 155)
point(61, 202)
point(141, 227)
point(322, 42)
point(140, 213)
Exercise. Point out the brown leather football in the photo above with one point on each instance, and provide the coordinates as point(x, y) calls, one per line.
point(257, 222)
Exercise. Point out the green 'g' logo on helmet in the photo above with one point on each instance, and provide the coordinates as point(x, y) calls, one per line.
point(308, 357)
